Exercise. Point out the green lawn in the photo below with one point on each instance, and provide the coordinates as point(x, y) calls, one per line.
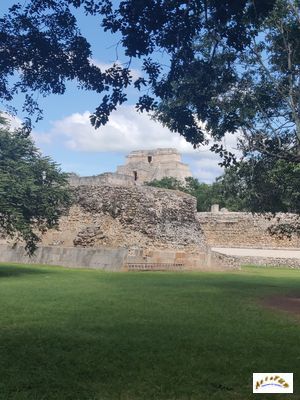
point(89, 335)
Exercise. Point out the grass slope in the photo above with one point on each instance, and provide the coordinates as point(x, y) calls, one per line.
point(90, 335)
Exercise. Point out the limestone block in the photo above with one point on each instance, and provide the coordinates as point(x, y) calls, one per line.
point(215, 208)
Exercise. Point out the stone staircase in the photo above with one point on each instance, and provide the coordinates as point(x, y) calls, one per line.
point(165, 260)
point(155, 266)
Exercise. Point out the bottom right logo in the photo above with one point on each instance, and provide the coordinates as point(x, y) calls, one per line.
point(272, 382)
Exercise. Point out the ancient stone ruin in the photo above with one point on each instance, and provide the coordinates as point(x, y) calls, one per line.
point(148, 165)
point(141, 166)
point(241, 229)
point(135, 216)
point(117, 222)
point(115, 226)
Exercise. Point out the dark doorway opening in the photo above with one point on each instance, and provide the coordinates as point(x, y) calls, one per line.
point(135, 175)
point(149, 159)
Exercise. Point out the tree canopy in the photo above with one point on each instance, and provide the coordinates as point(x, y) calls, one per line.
point(212, 52)
point(205, 194)
point(261, 185)
point(210, 67)
point(33, 191)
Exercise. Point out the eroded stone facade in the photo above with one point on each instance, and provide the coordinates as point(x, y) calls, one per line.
point(240, 229)
point(137, 216)
point(141, 166)
point(148, 165)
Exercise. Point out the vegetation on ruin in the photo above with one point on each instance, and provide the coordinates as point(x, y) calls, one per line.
point(33, 191)
point(206, 194)
point(209, 67)
point(84, 334)
point(261, 184)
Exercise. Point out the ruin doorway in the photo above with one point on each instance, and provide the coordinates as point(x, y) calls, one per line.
point(135, 175)
point(149, 159)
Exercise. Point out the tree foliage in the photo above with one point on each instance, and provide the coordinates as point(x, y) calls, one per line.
point(210, 66)
point(168, 182)
point(264, 185)
point(261, 185)
point(236, 69)
point(206, 194)
point(203, 43)
point(41, 49)
point(33, 191)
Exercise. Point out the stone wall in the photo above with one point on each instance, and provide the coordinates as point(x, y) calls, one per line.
point(111, 226)
point(268, 261)
point(221, 261)
point(237, 229)
point(101, 258)
point(141, 166)
point(107, 178)
point(137, 216)
point(148, 165)
point(204, 261)
point(157, 155)
point(109, 259)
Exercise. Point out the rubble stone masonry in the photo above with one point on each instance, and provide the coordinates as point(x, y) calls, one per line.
point(239, 229)
point(135, 216)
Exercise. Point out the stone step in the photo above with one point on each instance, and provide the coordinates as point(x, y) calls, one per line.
point(154, 266)
point(159, 257)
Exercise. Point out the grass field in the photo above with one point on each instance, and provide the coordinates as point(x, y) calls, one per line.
point(90, 335)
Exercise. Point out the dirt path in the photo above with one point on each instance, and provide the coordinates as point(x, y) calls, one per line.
point(286, 303)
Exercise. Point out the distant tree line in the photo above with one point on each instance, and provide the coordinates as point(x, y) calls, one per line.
point(262, 184)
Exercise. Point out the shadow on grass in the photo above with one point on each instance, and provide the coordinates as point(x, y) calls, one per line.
point(149, 336)
point(14, 270)
point(256, 283)
point(128, 361)
point(54, 366)
point(248, 285)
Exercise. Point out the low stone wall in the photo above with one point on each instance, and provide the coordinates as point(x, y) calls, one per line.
point(201, 261)
point(97, 258)
point(239, 229)
point(222, 261)
point(116, 259)
point(268, 261)
point(108, 178)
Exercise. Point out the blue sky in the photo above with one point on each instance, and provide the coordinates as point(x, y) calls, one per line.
point(66, 135)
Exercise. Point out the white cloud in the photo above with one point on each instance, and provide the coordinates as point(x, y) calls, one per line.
point(13, 121)
point(126, 131)
point(206, 167)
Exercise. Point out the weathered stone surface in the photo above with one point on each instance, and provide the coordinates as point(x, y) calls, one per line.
point(88, 236)
point(75, 257)
point(238, 229)
point(141, 166)
point(147, 165)
point(137, 216)
point(268, 261)
point(198, 260)
point(107, 178)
